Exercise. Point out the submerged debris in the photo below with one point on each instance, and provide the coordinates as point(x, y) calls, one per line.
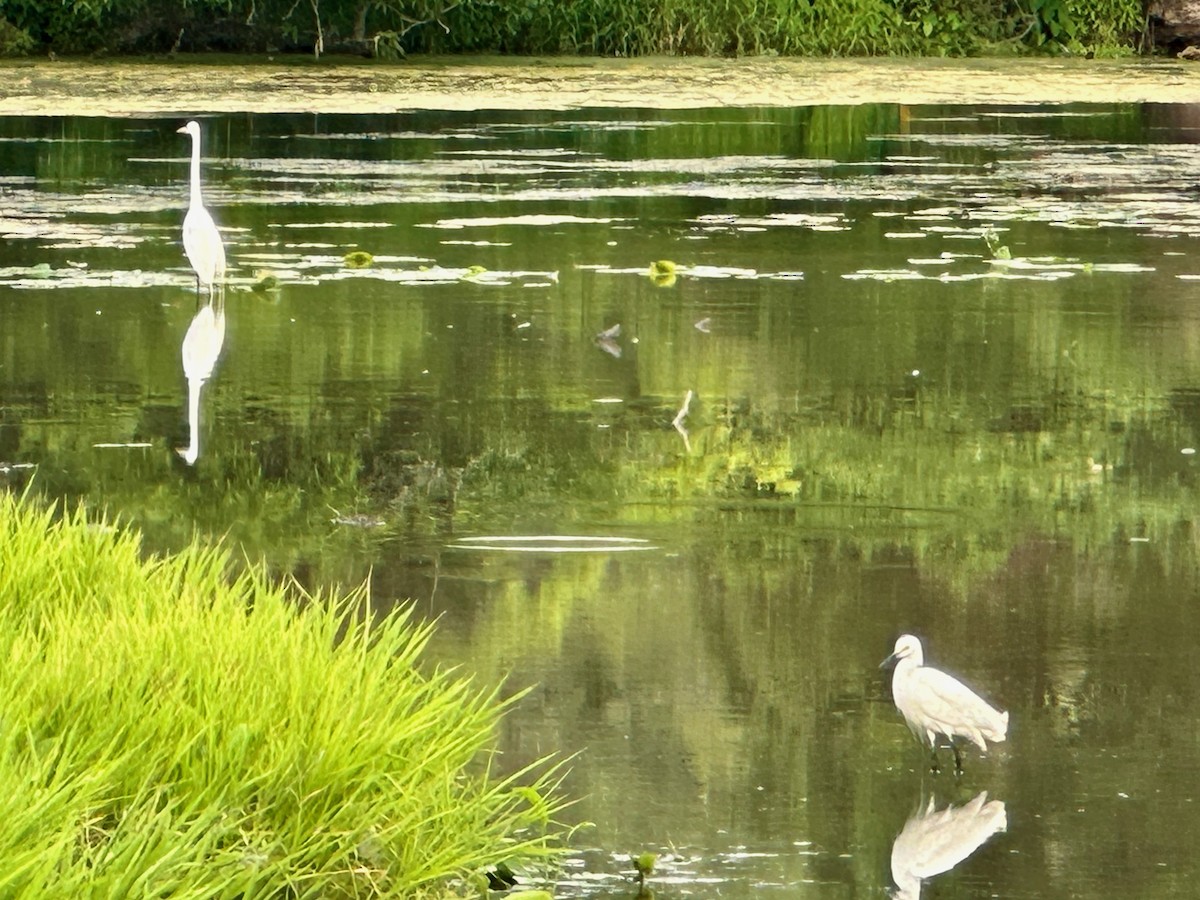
point(606, 340)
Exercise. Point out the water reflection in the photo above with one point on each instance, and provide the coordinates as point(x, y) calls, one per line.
point(606, 340)
point(201, 348)
point(891, 429)
point(934, 840)
point(681, 417)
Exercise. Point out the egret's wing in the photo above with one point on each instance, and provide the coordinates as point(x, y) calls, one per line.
point(203, 245)
point(944, 699)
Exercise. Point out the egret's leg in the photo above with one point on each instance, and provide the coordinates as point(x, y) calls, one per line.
point(933, 763)
point(958, 769)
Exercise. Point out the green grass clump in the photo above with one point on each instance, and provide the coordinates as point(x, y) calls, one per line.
point(789, 27)
point(167, 731)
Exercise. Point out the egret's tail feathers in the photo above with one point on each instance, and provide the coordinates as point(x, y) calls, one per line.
point(999, 728)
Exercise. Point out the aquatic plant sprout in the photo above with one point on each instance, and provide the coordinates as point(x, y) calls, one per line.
point(171, 731)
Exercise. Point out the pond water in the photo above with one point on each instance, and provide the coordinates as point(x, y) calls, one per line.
point(927, 369)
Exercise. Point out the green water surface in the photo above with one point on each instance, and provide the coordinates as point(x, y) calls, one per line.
point(944, 377)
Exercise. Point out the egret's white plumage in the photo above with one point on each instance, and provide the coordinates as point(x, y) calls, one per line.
point(201, 240)
point(934, 703)
point(936, 840)
point(201, 347)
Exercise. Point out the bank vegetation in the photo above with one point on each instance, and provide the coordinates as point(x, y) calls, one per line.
point(392, 28)
point(169, 731)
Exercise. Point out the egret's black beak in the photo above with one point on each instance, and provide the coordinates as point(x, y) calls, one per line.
point(890, 661)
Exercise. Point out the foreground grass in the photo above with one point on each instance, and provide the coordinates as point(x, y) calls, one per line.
point(167, 732)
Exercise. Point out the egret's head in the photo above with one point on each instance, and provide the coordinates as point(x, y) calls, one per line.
point(908, 646)
point(192, 128)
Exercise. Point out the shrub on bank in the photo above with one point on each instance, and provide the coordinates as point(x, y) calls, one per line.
point(168, 732)
point(602, 27)
point(791, 27)
point(13, 40)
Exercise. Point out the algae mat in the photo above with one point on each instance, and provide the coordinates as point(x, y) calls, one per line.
point(117, 88)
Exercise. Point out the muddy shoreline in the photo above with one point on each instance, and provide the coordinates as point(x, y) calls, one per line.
point(138, 88)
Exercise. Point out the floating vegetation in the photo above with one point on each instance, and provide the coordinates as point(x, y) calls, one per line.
point(700, 271)
point(884, 275)
point(998, 250)
point(537, 220)
point(43, 275)
point(359, 259)
point(662, 272)
point(1022, 268)
point(643, 865)
point(814, 222)
point(314, 268)
point(265, 282)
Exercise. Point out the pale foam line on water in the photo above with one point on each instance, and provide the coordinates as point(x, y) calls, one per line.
point(553, 543)
point(334, 225)
point(548, 548)
point(564, 538)
point(533, 219)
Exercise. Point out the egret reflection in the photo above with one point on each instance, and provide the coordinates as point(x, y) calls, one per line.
point(935, 840)
point(201, 347)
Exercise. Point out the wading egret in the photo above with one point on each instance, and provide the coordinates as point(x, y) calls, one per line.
point(934, 703)
point(201, 347)
point(935, 840)
point(201, 240)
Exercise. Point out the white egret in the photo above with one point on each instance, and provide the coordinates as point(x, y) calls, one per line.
point(201, 240)
point(935, 840)
point(201, 347)
point(934, 703)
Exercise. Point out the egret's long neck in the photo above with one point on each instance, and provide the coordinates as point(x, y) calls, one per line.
point(192, 453)
point(195, 199)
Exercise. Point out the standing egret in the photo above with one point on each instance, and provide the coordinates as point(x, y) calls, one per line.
point(201, 240)
point(201, 347)
point(934, 703)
